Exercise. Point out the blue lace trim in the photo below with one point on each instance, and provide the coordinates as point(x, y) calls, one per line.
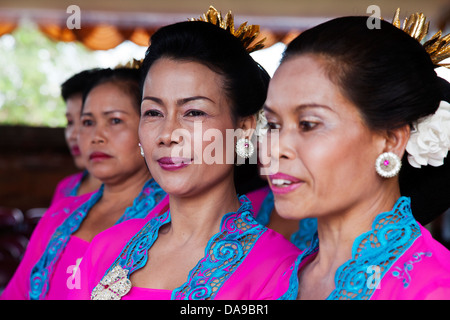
point(392, 233)
point(306, 227)
point(223, 253)
point(72, 187)
point(150, 196)
point(41, 273)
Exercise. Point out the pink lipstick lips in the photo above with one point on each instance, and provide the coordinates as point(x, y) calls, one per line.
point(75, 150)
point(98, 156)
point(172, 164)
point(283, 183)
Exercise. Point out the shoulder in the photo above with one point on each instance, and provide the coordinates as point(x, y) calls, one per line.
point(257, 197)
point(274, 244)
point(71, 179)
point(55, 215)
point(66, 185)
point(422, 272)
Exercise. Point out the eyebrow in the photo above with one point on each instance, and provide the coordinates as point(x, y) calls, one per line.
point(179, 102)
point(301, 106)
point(104, 113)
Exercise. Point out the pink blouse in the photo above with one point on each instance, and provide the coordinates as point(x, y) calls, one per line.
point(397, 260)
point(18, 287)
point(47, 237)
point(243, 261)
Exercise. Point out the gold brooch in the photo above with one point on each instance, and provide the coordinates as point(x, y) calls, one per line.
point(113, 286)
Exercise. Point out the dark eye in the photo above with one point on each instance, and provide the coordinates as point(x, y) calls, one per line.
point(152, 113)
point(87, 122)
point(307, 125)
point(195, 113)
point(116, 121)
point(271, 126)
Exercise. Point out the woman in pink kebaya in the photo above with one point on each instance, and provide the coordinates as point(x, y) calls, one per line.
point(109, 144)
point(347, 101)
point(208, 245)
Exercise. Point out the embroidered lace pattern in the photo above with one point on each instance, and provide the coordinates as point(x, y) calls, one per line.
point(223, 254)
point(149, 197)
point(72, 187)
point(306, 227)
point(42, 271)
point(392, 233)
point(134, 255)
point(409, 266)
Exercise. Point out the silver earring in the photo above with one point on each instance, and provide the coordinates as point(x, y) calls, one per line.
point(244, 148)
point(142, 150)
point(388, 165)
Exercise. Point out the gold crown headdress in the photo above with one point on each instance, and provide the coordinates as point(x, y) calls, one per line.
point(133, 64)
point(245, 33)
point(438, 47)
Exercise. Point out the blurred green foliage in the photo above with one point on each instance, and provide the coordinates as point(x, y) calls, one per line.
point(32, 68)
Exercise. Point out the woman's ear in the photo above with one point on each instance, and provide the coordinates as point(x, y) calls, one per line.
point(248, 125)
point(397, 139)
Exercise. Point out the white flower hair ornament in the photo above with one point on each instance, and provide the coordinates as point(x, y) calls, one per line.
point(261, 124)
point(429, 142)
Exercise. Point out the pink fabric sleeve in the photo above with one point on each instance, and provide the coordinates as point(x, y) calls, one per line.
point(64, 184)
point(105, 248)
point(257, 197)
point(19, 285)
point(421, 273)
point(101, 254)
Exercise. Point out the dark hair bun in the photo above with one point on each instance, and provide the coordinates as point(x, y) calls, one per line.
point(390, 78)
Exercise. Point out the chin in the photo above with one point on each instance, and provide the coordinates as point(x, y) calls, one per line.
point(288, 209)
point(172, 188)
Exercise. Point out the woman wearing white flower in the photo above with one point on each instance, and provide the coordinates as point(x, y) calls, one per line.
point(345, 100)
point(430, 139)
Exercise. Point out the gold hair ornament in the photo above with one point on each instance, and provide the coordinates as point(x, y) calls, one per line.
point(245, 33)
point(438, 47)
point(132, 64)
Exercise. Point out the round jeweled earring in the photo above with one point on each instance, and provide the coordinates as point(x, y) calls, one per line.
point(142, 150)
point(244, 148)
point(388, 165)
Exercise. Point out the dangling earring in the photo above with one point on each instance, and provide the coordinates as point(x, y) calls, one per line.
point(244, 148)
point(142, 150)
point(388, 165)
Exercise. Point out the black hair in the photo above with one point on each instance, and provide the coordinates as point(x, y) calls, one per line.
point(390, 78)
point(78, 83)
point(126, 79)
point(245, 81)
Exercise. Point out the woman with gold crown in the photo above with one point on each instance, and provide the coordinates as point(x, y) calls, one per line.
point(109, 142)
point(348, 101)
point(208, 245)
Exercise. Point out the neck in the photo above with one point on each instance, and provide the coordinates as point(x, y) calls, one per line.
point(199, 216)
point(128, 188)
point(338, 232)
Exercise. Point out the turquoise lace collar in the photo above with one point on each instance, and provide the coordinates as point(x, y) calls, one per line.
point(41, 273)
point(392, 233)
point(72, 190)
point(223, 254)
